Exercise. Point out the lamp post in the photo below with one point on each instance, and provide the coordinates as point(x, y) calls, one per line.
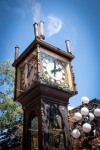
point(85, 123)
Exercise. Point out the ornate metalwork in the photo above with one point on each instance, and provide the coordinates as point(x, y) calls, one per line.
point(34, 133)
point(55, 127)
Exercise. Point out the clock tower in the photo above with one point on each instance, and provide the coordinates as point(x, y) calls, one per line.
point(44, 82)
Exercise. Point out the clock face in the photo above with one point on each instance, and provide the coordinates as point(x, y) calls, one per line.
point(54, 70)
point(28, 74)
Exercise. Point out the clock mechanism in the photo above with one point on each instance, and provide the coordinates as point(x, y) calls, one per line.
point(54, 70)
point(28, 74)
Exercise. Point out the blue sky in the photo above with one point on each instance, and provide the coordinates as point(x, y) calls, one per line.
point(76, 20)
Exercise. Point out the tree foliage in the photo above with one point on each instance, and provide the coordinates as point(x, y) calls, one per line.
point(10, 111)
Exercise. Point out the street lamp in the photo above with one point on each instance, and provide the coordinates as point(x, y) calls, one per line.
point(85, 124)
point(85, 117)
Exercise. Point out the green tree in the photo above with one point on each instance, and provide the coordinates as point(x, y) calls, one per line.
point(10, 111)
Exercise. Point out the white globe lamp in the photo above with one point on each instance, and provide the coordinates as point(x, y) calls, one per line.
point(91, 116)
point(97, 112)
point(85, 100)
point(84, 111)
point(78, 116)
point(76, 133)
point(86, 127)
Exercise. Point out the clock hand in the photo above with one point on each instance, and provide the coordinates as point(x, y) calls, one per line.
point(28, 71)
point(30, 67)
point(56, 70)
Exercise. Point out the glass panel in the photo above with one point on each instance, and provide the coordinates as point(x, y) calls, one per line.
point(55, 129)
point(34, 133)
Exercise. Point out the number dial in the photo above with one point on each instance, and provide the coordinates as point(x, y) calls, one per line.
point(28, 74)
point(54, 70)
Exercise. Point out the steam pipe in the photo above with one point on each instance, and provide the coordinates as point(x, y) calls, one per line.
point(36, 29)
point(41, 25)
point(68, 46)
point(16, 52)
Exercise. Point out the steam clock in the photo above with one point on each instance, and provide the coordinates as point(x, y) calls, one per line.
point(44, 82)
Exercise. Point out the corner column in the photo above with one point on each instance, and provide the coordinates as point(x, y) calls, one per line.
point(44, 127)
point(65, 126)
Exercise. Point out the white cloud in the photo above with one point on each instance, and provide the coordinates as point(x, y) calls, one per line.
point(73, 32)
point(54, 25)
point(15, 10)
point(36, 12)
point(19, 11)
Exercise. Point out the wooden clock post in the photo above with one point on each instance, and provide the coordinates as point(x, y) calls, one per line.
point(44, 82)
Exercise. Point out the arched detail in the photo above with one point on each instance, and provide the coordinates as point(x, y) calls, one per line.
point(33, 130)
